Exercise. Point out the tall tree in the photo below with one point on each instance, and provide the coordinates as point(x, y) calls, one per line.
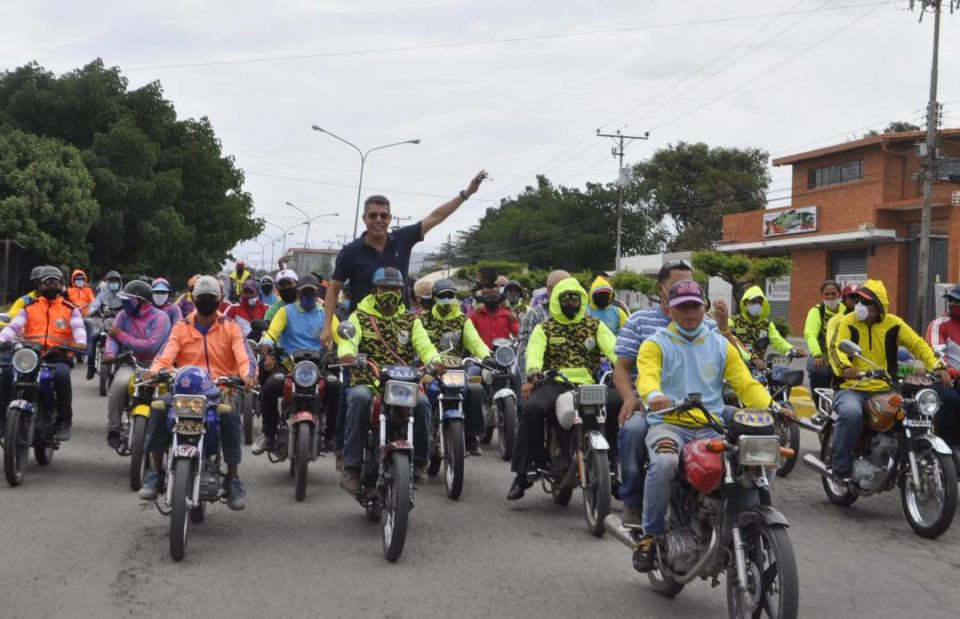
point(693, 186)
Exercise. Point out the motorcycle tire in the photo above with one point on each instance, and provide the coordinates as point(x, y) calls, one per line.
point(596, 493)
point(487, 436)
point(138, 443)
point(16, 450)
point(661, 583)
point(947, 475)
point(42, 449)
point(302, 459)
point(247, 408)
point(179, 523)
point(453, 459)
point(507, 427)
point(776, 542)
point(837, 493)
point(789, 433)
point(396, 509)
point(198, 514)
point(104, 380)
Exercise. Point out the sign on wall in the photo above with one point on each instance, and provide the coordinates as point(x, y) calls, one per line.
point(793, 221)
point(853, 279)
point(778, 288)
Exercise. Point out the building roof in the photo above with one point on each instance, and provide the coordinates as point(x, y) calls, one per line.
point(869, 140)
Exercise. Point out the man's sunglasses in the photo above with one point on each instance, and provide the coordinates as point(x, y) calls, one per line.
point(375, 216)
point(446, 295)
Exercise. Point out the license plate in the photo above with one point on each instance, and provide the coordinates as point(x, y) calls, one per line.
point(917, 423)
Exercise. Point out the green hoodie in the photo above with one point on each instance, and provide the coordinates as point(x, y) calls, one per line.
point(749, 329)
point(436, 325)
point(575, 345)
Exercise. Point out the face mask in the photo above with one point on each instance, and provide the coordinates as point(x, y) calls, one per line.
point(690, 333)
point(954, 311)
point(50, 293)
point(267, 289)
point(114, 287)
point(755, 309)
point(252, 301)
point(131, 306)
point(602, 300)
point(387, 302)
point(862, 312)
point(289, 295)
point(206, 306)
point(444, 309)
point(79, 282)
point(570, 311)
point(832, 303)
point(308, 300)
point(160, 299)
point(491, 302)
point(426, 302)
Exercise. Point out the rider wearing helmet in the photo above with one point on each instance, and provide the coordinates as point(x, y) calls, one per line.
point(239, 275)
point(267, 294)
point(387, 334)
point(141, 329)
point(50, 322)
point(160, 295)
point(107, 302)
point(287, 291)
point(31, 296)
point(216, 345)
point(445, 317)
point(513, 293)
point(6, 378)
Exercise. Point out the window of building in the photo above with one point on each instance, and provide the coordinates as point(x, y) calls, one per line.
point(948, 169)
point(835, 174)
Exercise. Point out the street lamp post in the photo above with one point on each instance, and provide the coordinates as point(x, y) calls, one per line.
point(310, 220)
point(363, 161)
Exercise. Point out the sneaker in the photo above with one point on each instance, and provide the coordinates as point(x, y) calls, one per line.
point(643, 555)
point(350, 480)
point(150, 489)
point(421, 475)
point(91, 371)
point(113, 439)
point(63, 432)
point(264, 443)
point(473, 446)
point(236, 494)
point(632, 516)
point(519, 487)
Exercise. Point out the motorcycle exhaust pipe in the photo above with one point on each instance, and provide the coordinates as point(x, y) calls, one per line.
point(814, 463)
point(614, 526)
point(809, 425)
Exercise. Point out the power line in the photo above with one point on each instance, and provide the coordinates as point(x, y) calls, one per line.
point(345, 185)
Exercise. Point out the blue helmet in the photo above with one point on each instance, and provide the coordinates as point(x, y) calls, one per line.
point(388, 276)
point(192, 380)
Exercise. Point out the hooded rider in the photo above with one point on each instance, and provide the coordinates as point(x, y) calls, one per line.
point(602, 307)
point(239, 275)
point(267, 294)
point(80, 293)
point(753, 323)
point(160, 294)
point(106, 301)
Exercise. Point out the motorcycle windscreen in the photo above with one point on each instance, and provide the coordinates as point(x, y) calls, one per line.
point(702, 469)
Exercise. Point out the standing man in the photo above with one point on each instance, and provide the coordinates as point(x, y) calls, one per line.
point(377, 248)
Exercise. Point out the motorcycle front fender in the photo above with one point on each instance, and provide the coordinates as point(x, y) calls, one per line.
point(452, 413)
point(938, 444)
point(24, 405)
point(401, 445)
point(187, 451)
point(303, 416)
point(761, 514)
point(504, 393)
point(140, 410)
point(597, 441)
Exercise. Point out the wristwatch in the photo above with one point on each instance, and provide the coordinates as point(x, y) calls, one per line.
point(463, 195)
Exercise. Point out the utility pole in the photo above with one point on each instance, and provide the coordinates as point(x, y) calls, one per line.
point(397, 219)
point(620, 141)
point(930, 158)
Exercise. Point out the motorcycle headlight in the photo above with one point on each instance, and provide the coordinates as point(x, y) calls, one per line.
point(487, 376)
point(25, 360)
point(928, 402)
point(306, 374)
point(758, 450)
point(190, 405)
point(505, 356)
point(455, 379)
point(397, 393)
point(592, 395)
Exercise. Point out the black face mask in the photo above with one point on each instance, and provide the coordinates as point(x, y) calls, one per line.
point(267, 289)
point(570, 311)
point(207, 307)
point(426, 302)
point(288, 295)
point(50, 293)
point(491, 302)
point(602, 300)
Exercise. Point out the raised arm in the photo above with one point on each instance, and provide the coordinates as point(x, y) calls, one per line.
point(443, 211)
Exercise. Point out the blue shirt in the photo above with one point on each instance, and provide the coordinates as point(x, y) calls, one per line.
point(641, 325)
point(302, 330)
point(357, 261)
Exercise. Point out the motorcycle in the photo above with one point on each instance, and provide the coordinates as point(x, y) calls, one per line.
point(194, 476)
point(105, 371)
point(448, 446)
point(897, 447)
point(500, 400)
point(300, 434)
point(248, 402)
point(577, 450)
point(136, 415)
point(32, 413)
point(720, 519)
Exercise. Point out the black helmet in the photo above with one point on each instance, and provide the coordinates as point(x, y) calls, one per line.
point(388, 276)
point(112, 275)
point(139, 289)
point(442, 285)
point(513, 284)
point(48, 272)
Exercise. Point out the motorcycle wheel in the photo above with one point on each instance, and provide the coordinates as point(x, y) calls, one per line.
point(453, 459)
point(302, 459)
point(773, 587)
point(179, 523)
point(562, 497)
point(198, 514)
point(42, 450)
point(487, 436)
point(247, 408)
point(930, 510)
point(837, 493)
point(396, 507)
point(104, 376)
point(596, 493)
point(661, 583)
point(507, 427)
point(789, 437)
point(16, 450)
point(138, 441)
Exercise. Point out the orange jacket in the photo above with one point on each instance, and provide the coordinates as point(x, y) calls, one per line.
point(81, 297)
point(222, 351)
point(49, 323)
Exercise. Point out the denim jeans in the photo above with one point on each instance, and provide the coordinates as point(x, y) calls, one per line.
point(848, 405)
point(231, 432)
point(359, 399)
point(633, 451)
point(819, 379)
point(664, 461)
point(117, 397)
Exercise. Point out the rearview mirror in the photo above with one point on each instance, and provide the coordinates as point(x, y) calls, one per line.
point(849, 348)
point(346, 330)
point(449, 341)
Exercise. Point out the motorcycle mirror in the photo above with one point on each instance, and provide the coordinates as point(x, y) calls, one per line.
point(849, 348)
point(346, 330)
point(448, 341)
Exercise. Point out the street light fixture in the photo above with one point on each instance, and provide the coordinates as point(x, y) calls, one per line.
point(363, 161)
point(310, 220)
point(286, 233)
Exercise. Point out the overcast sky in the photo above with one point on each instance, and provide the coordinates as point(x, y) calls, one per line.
point(518, 88)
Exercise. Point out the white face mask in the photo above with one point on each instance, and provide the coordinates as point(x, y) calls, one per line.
point(755, 309)
point(160, 299)
point(832, 303)
point(861, 311)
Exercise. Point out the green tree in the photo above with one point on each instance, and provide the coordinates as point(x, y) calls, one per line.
point(693, 186)
point(739, 270)
point(46, 198)
point(895, 126)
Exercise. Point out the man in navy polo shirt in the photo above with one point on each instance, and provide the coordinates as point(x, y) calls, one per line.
point(377, 247)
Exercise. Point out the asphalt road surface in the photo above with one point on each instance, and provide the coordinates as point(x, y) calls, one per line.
point(76, 542)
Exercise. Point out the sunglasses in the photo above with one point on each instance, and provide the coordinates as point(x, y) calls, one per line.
point(376, 216)
point(677, 262)
point(567, 298)
point(446, 295)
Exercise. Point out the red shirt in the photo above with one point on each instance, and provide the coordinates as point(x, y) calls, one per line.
point(248, 313)
point(491, 325)
point(943, 329)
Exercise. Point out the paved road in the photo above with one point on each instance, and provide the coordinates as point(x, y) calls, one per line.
point(75, 542)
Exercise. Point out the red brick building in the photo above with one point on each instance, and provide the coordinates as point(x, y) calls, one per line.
point(855, 213)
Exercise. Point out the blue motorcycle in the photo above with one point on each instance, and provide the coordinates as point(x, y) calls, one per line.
point(447, 393)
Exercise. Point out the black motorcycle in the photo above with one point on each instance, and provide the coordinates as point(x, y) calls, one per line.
point(500, 400)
